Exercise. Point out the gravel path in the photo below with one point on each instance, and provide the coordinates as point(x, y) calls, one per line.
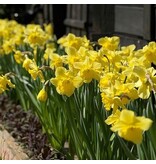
point(26, 129)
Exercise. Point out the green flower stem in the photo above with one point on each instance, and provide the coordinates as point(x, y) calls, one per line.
point(126, 149)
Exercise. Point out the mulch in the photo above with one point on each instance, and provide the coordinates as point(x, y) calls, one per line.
point(27, 131)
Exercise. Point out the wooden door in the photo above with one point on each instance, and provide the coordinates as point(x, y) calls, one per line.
point(133, 23)
point(76, 19)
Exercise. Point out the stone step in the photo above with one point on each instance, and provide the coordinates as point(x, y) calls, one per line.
point(9, 148)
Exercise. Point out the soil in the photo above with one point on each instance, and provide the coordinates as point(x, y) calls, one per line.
point(27, 131)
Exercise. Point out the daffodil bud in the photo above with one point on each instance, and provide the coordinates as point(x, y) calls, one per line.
point(42, 95)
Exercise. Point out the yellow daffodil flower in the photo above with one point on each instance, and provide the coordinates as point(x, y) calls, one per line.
point(113, 118)
point(88, 70)
point(33, 69)
point(107, 80)
point(49, 29)
point(4, 83)
point(8, 47)
point(47, 53)
point(73, 55)
point(126, 92)
point(65, 81)
point(110, 100)
point(19, 57)
point(110, 43)
point(55, 60)
point(34, 36)
point(72, 41)
point(146, 81)
point(131, 127)
point(150, 52)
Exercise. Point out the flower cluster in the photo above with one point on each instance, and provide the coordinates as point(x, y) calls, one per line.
point(123, 74)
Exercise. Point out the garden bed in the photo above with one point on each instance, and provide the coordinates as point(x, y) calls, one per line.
point(25, 128)
point(99, 97)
